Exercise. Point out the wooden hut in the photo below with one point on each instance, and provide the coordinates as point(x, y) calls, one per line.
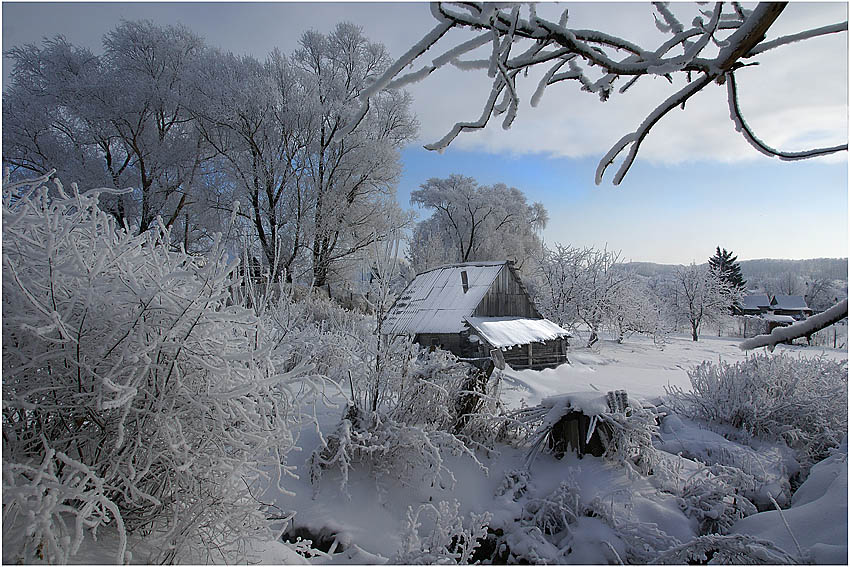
point(474, 307)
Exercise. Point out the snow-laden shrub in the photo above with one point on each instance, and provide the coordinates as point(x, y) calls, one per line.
point(405, 436)
point(625, 430)
point(715, 497)
point(800, 400)
point(561, 527)
point(135, 394)
point(732, 549)
point(443, 539)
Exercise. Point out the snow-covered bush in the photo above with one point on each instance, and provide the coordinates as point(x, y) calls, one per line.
point(725, 550)
point(449, 540)
point(135, 394)
point(715, 498)
point(624, 430)
point(800, 400)
point(562, 527)
point(416, 420)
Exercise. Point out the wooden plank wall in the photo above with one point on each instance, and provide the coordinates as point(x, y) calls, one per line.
point(543, 355)
point(506, 298)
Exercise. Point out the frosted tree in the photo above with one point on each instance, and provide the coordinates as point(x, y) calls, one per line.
point(634, 308)
point(350, 174)
point(582, 286)
point(721, 42)
point(253, 115)
point(474, 222)
point(701, 295)
point(116, 120)
point(821, 293)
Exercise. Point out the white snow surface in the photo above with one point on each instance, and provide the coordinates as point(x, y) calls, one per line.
point(817, 517)
point(778, 318)
point(373, 518)
point(506, 332)
point(588, 403)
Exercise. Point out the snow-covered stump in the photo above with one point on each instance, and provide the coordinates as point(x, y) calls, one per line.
point(591, 423)
point(571, 432)
point(584, 433)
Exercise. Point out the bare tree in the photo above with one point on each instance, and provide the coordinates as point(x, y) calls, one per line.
point(351, 174)
point(582, 286)
point(253, 114)
point(116, 120)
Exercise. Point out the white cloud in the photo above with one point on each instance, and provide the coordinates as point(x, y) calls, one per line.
point(796, 96)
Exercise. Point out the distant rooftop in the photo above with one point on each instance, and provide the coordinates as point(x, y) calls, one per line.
point(755, 301)
point(795, 302)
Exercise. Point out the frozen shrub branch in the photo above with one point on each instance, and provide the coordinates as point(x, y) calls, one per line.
point(715, 45)
point(135, 394)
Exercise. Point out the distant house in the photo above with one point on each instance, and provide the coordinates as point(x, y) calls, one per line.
point(793, 305)
point(474, 307)
point(754, 304)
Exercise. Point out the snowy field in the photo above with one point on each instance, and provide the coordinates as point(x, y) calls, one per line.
point(638, 366)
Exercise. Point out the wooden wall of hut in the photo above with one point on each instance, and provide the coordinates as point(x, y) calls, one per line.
point(506, 297)
point(547, 354)
point(456, 343)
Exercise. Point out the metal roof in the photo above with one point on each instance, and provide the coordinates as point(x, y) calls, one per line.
point(791, 302)
point(435, 301)
point(755, 301)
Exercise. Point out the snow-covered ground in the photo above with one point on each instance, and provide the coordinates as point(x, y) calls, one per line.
point(637, 366)
point(368, 519)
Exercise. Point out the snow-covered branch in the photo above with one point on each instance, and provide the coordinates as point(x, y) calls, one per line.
point(707, 51)
point(800, 329)
point(741, 126)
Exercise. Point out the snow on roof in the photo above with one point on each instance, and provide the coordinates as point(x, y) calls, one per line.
point(778, 318)
point(789, 302)
point(755, 301)
point(505, 332)
point(435, 302)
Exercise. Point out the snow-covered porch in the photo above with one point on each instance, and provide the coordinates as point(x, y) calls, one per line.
point(526, 343)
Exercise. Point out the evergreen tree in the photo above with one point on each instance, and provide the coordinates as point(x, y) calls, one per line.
point(726, 266)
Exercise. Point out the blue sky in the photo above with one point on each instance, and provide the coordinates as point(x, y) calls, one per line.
point(667, 213)
point(696, 183)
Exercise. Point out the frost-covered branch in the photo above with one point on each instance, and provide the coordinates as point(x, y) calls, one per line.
point(741, 126)
point(786, 39)
point(799, 329)
point(707, 51)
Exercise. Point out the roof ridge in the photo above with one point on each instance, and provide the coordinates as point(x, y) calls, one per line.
point(462, 264)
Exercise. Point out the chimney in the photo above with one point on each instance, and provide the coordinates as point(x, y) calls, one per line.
point(464, 280)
